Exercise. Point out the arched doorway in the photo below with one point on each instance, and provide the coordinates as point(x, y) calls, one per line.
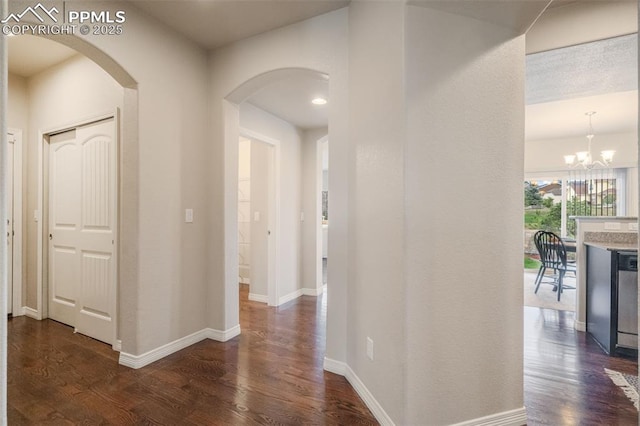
point(287, 216)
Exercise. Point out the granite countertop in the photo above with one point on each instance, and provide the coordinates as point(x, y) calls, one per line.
point(612, 241)
point(612, 246)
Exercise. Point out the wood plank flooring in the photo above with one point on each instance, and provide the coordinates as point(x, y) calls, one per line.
point(564, 378)
point(272, 374)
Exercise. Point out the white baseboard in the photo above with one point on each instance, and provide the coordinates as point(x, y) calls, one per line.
point(117, 346)
point(31, 313)
point(258, 298)
point(289, 297)
point(336, 367)
point(139, 361)
point(580, 325)
point(223, 336)
point(312, 291)
point(516, 417)
point(376, 409)
point(18, 313)
point(244, 280)
point(341, 368)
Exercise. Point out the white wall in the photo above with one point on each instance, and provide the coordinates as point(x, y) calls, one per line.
point(377, 133)
point(290, 205)
point(465, 107)
point(312, 208)
point(75, 90)
point(244, 210)
point(18, 113)
point(18, 118)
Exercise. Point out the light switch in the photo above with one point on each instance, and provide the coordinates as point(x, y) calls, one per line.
point(188, 215)
point(256, 216)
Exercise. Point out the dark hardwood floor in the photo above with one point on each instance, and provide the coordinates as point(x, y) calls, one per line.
point(564, 378)
point(272, 374)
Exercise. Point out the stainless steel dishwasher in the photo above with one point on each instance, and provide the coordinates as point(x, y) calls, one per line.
point(628, 300)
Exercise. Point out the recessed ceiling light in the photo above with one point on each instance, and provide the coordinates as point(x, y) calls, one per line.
point(319, 101)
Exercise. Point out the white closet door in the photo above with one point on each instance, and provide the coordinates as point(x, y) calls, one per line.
point(82, 220)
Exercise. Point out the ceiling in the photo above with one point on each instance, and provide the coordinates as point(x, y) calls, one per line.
point(290, 100)
point(215, 23)
point(30, 55)
point(212, 24)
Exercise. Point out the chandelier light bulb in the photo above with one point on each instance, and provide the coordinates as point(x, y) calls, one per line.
point(584, 158)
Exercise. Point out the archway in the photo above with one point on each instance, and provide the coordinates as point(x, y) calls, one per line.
point(232, 131)
point(127, 176)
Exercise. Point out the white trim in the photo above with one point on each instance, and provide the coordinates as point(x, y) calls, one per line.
point(258, 298)
point(312, 291)
point(31, 313)
point(506, 418)
point(368, 398)
point(341, 368)
point(139, 361)
point(117, 346)
point(335, 367)
point(223, 336)
point(17, 278)
point(272, 284)
point(244, 280)
point(289, 297)
point(580, 325)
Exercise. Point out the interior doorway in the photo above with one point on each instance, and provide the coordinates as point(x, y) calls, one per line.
point(324, 206)
point(80, 221)
point(13, 188)
point(257, 217)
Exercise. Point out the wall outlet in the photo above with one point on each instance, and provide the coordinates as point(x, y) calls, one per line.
point(612, 226)
point(370, 348)
point(188, 215)
point(633, 227)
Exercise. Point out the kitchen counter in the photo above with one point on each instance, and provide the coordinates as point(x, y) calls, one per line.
point(633, 247)
point(612, 296)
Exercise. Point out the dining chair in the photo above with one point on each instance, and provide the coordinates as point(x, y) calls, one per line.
point(553, 255)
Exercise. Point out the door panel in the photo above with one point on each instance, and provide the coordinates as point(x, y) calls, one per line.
point(64, 221)
point(82, 216)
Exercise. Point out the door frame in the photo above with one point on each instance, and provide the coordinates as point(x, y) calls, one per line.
point(41, 215)
point(274, 214)
point(17, 307)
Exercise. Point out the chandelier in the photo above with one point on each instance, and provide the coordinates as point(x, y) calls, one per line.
point(584, 158)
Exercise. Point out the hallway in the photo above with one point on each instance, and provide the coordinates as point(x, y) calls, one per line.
point(271, 374)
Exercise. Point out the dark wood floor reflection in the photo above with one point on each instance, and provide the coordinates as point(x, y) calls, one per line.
point(271, 374)
point(564, 378)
